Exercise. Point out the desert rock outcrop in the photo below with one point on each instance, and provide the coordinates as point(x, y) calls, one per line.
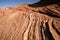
point(30, 22)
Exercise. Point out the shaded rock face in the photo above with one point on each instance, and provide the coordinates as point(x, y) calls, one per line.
point(28, 22)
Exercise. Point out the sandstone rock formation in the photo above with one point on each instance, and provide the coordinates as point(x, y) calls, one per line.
point(30, 22)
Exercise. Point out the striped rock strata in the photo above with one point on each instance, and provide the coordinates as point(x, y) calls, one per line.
point(30, 23)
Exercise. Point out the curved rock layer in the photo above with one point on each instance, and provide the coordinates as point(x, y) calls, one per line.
point(30, 23)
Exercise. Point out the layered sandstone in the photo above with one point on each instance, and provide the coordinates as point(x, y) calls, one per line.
point(30, 22)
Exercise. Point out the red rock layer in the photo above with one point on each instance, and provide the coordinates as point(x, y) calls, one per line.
point(30, 23)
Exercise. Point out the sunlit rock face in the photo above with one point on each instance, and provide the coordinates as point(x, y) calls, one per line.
point(30, 22)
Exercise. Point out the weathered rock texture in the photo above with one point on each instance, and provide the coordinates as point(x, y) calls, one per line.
point(29, 22)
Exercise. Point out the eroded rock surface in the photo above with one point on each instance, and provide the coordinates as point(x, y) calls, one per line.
point(30, 23)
